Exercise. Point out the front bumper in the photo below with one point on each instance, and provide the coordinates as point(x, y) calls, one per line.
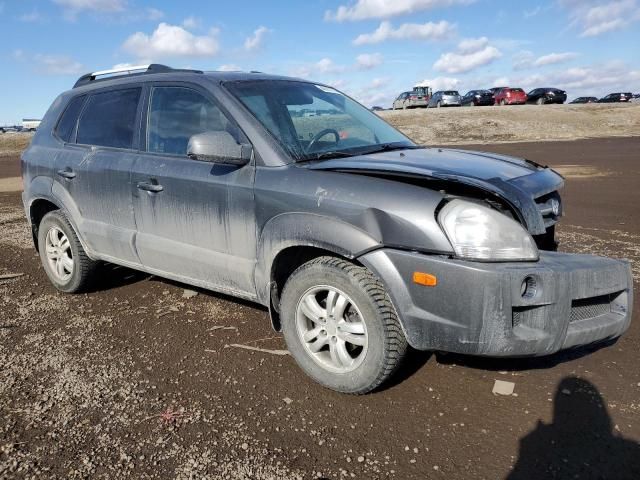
point(478, 308)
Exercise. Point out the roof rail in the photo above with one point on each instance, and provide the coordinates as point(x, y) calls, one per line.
point(130, 70)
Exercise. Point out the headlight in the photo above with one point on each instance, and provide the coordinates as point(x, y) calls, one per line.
point(480, 233)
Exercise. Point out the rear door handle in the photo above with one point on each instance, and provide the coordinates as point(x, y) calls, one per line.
point(150, 187)
point(67, 173)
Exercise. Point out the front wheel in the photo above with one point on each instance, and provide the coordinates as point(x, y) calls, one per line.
point(540, 101)
point(340, 325)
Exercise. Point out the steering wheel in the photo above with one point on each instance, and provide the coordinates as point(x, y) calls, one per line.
point(321, 134)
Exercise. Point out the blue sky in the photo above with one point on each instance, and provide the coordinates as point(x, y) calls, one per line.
point(371, 49)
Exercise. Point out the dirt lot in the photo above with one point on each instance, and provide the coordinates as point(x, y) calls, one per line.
point(141, 379)
point(518, 123)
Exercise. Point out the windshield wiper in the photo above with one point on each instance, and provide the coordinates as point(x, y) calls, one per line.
point(389, 147)
point(326, 155)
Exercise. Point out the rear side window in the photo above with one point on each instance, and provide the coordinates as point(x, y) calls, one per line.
point(109, 119)
point(178, 113)
point(67, 124)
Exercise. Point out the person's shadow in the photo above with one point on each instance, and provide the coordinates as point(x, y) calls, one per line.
point(580, 443)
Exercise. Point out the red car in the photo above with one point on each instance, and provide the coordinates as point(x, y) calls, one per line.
point(510, 96)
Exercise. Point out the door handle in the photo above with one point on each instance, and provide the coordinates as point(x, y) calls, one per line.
point(150, 187)
point(67, 173)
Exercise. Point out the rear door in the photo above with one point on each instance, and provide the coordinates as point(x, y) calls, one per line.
point(93, 171)
point(195, 219)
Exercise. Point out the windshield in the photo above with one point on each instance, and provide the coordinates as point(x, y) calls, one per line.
point(313, 121)
point(451, 92)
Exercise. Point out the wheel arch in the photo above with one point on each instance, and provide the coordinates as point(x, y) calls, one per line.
point(38, 208)
point(290, 240)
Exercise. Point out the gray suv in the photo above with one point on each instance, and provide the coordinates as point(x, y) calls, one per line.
point(292, 195)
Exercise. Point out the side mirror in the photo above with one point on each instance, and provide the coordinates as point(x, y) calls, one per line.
point(218, 147)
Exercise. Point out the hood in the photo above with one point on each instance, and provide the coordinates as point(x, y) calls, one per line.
point(521, 183)
point(437, 163)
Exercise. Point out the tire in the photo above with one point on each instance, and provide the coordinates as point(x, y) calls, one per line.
point(503, 103)
point(540, 101)
point(76, 276)
point(367, 314)
point(404, 106)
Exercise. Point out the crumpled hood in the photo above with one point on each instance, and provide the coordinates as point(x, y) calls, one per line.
point(437, 162)
point(518, 181)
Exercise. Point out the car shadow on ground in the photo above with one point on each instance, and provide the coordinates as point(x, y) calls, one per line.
point(579, 443)
point(111, 276)
point(511, 364)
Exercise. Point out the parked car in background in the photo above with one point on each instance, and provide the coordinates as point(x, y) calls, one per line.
point(585, 100)
point(358, 241)
point(510, 96)
point(445, 98)
point(476, 98)
point(540, 96)
point(616, 98)
point(410, 100)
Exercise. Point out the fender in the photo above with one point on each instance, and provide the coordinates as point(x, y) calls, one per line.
point(306, 229)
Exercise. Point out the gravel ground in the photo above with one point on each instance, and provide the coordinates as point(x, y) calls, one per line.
point(516, 123)
point(147, 378)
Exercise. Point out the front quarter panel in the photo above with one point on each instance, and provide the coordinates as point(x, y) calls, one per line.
point(348, 214)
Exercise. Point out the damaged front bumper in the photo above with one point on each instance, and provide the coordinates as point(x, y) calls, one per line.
point(507, 309)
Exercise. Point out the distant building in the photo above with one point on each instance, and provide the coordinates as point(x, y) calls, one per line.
point(30, 123)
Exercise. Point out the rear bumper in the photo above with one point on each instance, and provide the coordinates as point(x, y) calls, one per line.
point(477, 308)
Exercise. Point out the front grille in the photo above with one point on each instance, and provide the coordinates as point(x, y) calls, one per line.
point(586, 308)
point(550, 208)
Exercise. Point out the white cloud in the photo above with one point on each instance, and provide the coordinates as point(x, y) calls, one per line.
point(595, 17)
point(592, 80)
point(171, 41)
point(413, 31)
point(532, 13)
point(229, 67)
point(367, 61)
point(470, 54)
point(154, 14)
point(440, 83)
point(57, 65)
point(323, 66)
point(525, 59)
point(95, 5)
point(255, 41)
point(376, 92)
point(367, 9)
point(554, 58)
point(191, 23)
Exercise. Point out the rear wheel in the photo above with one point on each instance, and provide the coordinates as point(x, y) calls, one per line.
point(540, 101)
point(340, 325)
point(438, 105)
point(63, 258)
point(502, 103)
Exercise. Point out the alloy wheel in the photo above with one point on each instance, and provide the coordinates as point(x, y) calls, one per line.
point(59, 254)
point(331, 329)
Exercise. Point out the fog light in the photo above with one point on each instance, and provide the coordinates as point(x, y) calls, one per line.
point(529, 287)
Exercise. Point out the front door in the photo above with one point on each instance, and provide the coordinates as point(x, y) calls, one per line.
point(195, 219)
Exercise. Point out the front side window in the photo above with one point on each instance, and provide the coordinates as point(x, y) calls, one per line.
point(108, 120)
point(311, 120)
point(178, 113)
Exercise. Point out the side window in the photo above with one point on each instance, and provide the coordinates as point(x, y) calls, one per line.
point(109, 119)
point(67, 124)
point(178, 113)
